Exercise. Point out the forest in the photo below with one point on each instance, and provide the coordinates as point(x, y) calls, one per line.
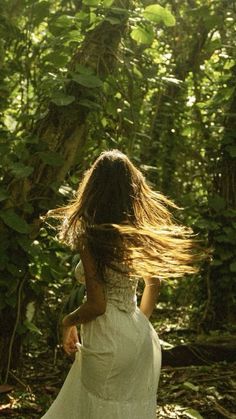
point(157, 81)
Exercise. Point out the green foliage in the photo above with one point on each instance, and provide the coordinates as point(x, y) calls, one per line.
point(156, 13)
point(193, 414)
point(61, 99)
point(51, 158)
point(142, 35)
point(87, 80)
point(165, 103)
point(15, 222)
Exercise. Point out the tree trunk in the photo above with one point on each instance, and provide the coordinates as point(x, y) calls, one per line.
point(199, 353)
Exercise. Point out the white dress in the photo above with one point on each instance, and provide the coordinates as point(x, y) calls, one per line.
point(117, 367)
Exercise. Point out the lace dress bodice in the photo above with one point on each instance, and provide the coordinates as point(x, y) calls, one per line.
point(120, 289)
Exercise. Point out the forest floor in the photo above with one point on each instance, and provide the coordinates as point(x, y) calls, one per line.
point(195, 392)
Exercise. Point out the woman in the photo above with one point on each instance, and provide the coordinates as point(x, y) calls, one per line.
point(124, 233)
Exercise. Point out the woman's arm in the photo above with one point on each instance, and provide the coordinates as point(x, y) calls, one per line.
point(149, 297)
point(96, 301)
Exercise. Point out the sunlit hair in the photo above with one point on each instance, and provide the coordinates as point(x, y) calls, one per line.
point(124, 221)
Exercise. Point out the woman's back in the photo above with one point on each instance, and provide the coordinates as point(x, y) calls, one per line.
point(120, 288)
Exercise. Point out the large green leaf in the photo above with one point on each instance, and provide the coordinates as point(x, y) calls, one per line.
point(142, 35)
point(32, 327)
point(40, 11)
point(89, 104)
point(82, 16)
point(57, 59)
point(51, 158)
point(61, 24)
point(64, 21)
point(87, 80)
point(20, 170)
point(13, 220)
point(61, 99)
point(82, 69)
point(156, 13)
point(75, 298)
point(73, 36)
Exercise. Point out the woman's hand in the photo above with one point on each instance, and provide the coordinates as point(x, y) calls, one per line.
point(69, 339)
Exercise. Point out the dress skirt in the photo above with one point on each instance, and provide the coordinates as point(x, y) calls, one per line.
point(116, 370)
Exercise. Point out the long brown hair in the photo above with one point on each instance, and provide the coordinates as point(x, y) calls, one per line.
point(125, 221)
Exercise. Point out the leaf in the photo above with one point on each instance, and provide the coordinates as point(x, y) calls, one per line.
point(59, 60)
point(31, 326)
point(30, 311)
point(142, 35)
point(156, 13)
point(207, 224)
point(91, 2)
point(216, 262)
point(74, 36)
point(14, 270)
point(223, 238)
point(76, 297)
point(4, 148)
point(107, 3)
point(51, 158)
point(173, 80)
point(61, 99)
point(20, 170)
point(224, 254)
point(190, 386)
point(89, 104)
point(87, 80)
point(216, 202)
point(231, 150)
point(119, 11)
point(229, 213)
point(14, 221)
point(61, 24)
point(82, 69)
point(80, 294)
point(82, 16)
point(3, 194)
point(113, 20)
point(64, 20)
point(193, 414)
point(232, 267)
point(40, 11)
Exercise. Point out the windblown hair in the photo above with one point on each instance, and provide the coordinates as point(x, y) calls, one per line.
point(125, 221)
